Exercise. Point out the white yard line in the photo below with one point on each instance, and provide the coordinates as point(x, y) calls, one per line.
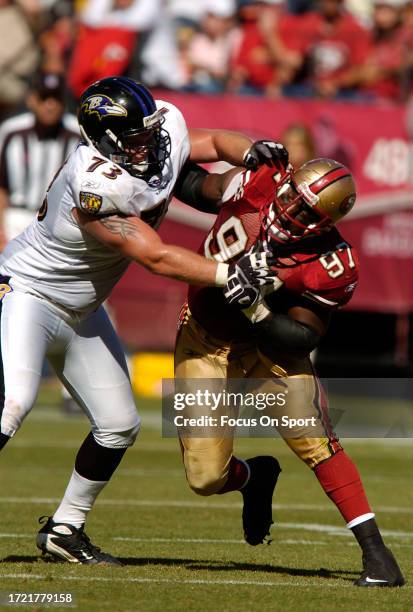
point(179, 473)
point(316, 527)
point(140, 472)
point(179, 581)
point(217, 541)
point(277, 542)
point(264, 583)
point(171, 503)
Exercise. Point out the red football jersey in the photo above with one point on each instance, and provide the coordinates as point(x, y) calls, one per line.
point(323, 269)
point(331, 49)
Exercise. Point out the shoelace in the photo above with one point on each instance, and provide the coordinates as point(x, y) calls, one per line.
point(91, 547)
point(80, 539)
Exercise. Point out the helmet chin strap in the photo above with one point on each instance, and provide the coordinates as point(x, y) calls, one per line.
point(283, 235)
point(111, 147)
point(86, 138)
point(140, 168)
point(278, 232)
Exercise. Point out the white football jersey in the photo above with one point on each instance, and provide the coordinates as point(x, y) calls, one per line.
point(54, 258)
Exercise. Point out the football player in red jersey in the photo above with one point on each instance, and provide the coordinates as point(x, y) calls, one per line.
point(244, 333)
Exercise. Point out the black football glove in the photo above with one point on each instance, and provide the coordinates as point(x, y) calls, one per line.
point(265, 152)
point(247, 277)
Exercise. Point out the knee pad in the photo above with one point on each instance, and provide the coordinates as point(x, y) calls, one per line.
point(205, 479)
point(14, 412)
point(118, 439)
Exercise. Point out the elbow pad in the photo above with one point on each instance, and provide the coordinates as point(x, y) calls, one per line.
point(281, 333)
point(188, 188)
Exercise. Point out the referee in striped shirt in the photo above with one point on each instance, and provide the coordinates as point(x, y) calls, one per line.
point(33, 146)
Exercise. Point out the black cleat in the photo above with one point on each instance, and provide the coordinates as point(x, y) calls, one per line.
point(380, 570)
point(63, 541)
point(257, 494)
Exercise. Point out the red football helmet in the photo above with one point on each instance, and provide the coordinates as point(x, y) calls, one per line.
point(308, 201)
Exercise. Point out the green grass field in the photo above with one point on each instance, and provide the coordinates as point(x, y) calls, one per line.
point(184, 552)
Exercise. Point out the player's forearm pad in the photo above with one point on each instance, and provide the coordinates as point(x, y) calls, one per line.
point(279, 332)
point(188, 188)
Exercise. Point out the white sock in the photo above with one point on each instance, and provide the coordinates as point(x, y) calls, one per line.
point(360, 519)
point(79, 497)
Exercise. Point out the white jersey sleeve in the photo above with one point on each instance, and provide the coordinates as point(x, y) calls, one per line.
point(99, 187)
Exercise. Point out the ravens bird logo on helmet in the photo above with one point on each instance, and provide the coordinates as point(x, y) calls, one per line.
point(103, 106)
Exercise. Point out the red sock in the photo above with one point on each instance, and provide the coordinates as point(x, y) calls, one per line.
point(237, 476)
point(340, 479)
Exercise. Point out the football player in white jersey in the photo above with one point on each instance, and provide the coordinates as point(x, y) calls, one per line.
point(100, 214)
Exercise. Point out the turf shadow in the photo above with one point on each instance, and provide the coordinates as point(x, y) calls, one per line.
point(321, 572)
point(202, 565)
point(230, 566)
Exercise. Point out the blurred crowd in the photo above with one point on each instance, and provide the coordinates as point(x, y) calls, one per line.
point(352, 49)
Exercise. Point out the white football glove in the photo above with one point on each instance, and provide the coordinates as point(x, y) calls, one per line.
point(248, 277)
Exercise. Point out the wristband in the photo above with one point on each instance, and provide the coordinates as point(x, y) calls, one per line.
point(221, 275)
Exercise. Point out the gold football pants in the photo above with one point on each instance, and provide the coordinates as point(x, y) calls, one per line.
point(199, 355)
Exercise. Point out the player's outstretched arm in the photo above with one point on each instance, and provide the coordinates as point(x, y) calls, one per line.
point(209, 146)
point(202, 190)
point(234, 148)
point(136, 240)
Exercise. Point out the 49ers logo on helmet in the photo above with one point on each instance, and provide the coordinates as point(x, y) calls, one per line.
point(103, 106)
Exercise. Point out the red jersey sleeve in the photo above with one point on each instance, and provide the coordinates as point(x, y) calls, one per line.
point(330, 280)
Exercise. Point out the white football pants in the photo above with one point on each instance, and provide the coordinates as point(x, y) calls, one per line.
point(85, 354)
